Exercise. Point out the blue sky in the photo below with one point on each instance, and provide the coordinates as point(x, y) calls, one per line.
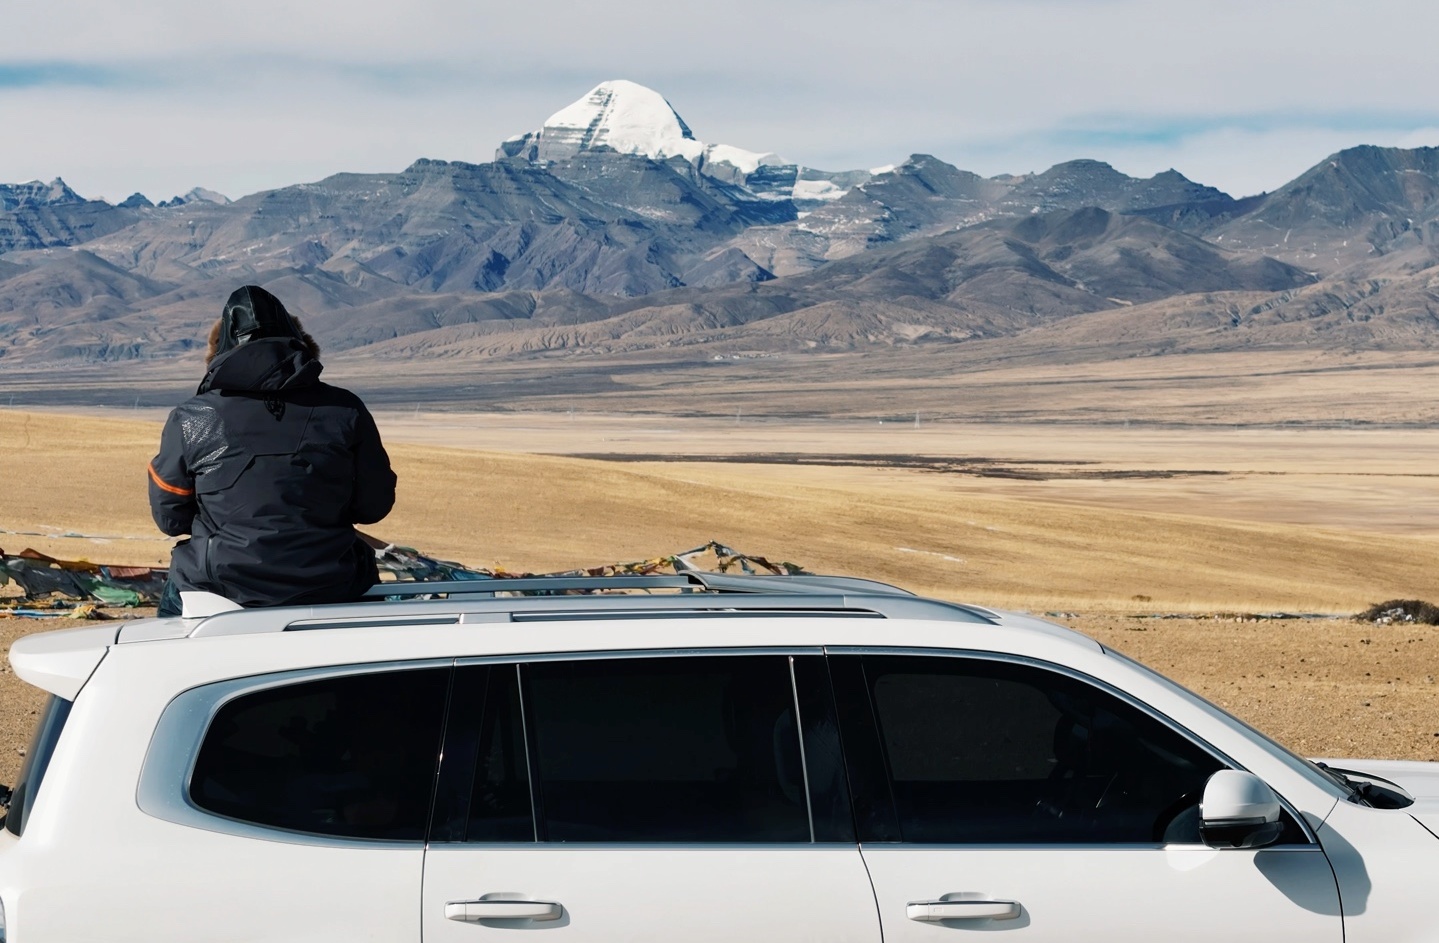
point(159, 96)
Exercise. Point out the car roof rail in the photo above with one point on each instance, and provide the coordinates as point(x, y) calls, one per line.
point(688, 580)
point(526, 585)
point(800, 583)
point(468, 606)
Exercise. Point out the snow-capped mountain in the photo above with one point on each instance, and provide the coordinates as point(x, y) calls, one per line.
point(627, 118)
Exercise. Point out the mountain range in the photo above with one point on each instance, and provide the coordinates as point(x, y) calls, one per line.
point(612, 230)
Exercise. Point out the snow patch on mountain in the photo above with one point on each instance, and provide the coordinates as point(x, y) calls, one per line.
point(822, 190)
point(746, 161)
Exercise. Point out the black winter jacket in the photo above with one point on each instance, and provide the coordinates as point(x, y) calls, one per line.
point(268, 470)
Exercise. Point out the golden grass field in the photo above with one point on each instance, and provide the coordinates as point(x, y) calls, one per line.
point(1102, 524)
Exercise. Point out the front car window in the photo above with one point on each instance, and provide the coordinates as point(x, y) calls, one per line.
point(982, 751)
point(1294, 761)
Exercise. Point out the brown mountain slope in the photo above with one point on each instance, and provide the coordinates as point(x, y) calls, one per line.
point(991, 280)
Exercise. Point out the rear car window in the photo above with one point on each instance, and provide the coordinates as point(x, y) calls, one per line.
point(37, 760)
point(349, 755)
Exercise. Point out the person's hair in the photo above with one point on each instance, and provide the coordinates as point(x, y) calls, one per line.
point(312, 348)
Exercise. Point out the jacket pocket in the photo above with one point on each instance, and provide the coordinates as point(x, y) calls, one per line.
point(223, 475)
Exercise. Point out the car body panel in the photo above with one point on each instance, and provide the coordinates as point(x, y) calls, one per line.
point(1385, 862)
point(149, 880)
point(655, 893)
point(1100, 894)
point(92, 866)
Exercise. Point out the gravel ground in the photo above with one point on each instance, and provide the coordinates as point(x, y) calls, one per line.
point(1322, 687)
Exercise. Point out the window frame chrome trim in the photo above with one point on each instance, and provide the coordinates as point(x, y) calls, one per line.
point(1122, 695)
point(559, 847)
point(1314, 848)
point(163, 790)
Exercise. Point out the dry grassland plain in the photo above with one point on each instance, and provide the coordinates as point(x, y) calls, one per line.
point(1105, 525)
point(1009, 380)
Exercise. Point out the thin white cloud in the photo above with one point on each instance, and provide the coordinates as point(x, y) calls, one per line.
point(153, 95)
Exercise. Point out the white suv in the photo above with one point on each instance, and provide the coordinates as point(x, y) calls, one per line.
point(743, 758)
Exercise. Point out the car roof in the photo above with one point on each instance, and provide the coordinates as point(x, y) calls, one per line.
point(572, 598)
point(61, 661)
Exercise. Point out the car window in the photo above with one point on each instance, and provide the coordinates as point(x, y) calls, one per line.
point(37, 760)
point(688, 749)
point(348, 755)
point(1299, 764)
point(986, 751)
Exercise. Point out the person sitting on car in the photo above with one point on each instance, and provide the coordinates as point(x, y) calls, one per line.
point(268, 470)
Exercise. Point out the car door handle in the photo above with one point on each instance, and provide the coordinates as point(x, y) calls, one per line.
point(930, 910)
point(502, 910)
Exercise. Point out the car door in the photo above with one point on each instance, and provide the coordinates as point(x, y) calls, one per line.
point(694, 797)
point(1020, 799)
point(280, 807)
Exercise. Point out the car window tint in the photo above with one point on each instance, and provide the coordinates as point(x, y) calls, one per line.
point(353, 755)
point(698, 749)
point(982, 751)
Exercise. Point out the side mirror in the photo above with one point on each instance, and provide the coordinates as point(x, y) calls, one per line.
point(1238, 810)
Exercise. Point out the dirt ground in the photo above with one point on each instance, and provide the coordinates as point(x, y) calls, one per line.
point(1322, 687)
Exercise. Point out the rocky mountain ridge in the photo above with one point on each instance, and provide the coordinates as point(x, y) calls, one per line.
point(612, 228)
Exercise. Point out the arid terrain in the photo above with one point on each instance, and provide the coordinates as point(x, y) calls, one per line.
point(1162, 541)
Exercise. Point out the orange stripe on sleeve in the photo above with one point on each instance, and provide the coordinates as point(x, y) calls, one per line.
point(165, 486)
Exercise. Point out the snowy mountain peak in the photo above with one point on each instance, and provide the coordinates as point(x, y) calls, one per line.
point(623, 116)
point(627, 118)
point(197, 195)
